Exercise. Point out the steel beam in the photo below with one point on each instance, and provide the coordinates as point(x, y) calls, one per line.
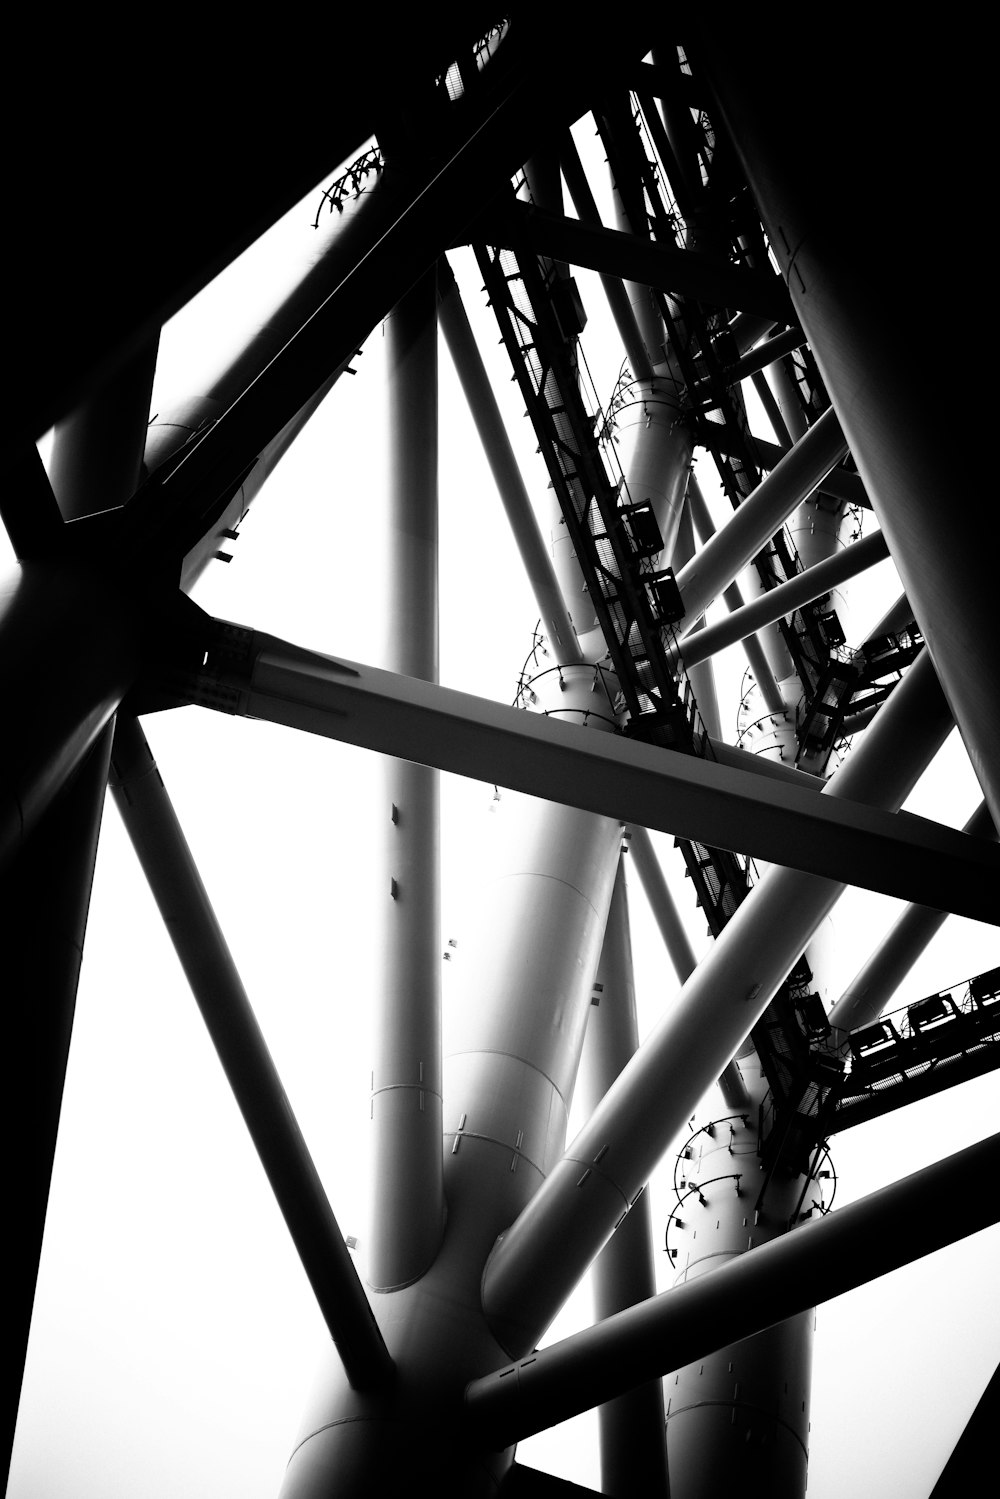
point(169, 867)
point(839, 484)
point(691, 798)
point(761, 514)
point(778, 602)
point(963, 1472)
point(676, 941)
point(820, 1259)
point(614, 252)
point(28, 507)
point(44, 903)
point(92, 299)
point(522, 1482)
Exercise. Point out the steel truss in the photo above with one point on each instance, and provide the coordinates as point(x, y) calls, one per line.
point(756, 254)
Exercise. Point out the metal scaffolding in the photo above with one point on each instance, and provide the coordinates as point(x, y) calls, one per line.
point(663, 268)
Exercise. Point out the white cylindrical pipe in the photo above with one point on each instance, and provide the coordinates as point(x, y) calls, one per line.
point(408, 1209)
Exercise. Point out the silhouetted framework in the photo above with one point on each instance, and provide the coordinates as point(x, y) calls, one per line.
point(765, 219)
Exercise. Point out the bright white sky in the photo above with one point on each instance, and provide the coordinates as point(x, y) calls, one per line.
point(175, 1335)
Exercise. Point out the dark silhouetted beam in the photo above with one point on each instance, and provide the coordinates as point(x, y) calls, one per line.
point(927, 490)
point(44, 902)
point(531, 1483)
point(963, 1472)
point(409, 220)
point(756, 359)
point(177, 192)
point(184, 905)
point(69, 650)
point(28, 507)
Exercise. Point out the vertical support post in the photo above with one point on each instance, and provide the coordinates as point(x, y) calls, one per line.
point(633, 1457)
point(408, 1212)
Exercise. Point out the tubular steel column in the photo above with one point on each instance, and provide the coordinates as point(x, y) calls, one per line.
point(633, 1460)
point(738, 1419)
point(408, 1210)
point(515, 1029)
point(778, 602)
point(928, 489)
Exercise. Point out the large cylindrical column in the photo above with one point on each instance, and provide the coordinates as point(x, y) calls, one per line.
point(855, 283)
point(525, 974)
point(738, 1420)
point(514, 1029)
